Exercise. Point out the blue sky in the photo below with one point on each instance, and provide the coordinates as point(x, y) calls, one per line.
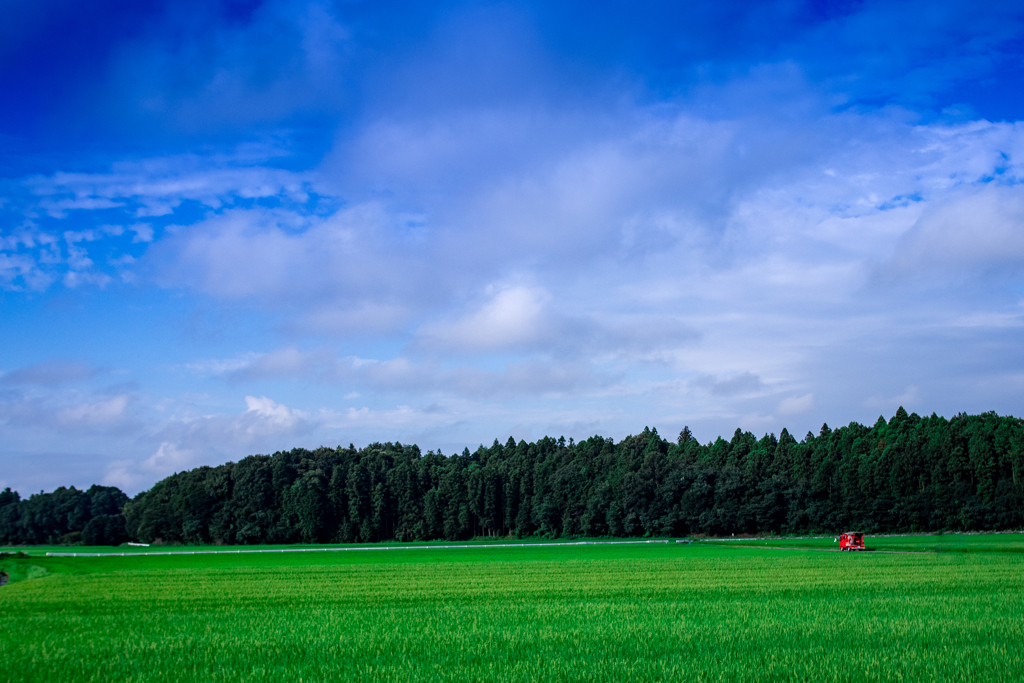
point(234, 227)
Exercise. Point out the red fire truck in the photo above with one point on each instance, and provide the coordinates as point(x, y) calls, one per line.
point(852, 540)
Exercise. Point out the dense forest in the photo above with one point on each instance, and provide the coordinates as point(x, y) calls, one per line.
point(907, 474)
point(66, 516)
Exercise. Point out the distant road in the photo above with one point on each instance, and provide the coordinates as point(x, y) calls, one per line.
point(378, 547)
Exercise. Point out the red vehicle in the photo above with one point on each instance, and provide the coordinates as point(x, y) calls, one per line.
point(852, 540)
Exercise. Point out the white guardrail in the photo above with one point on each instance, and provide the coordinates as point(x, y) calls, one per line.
point(320, 550)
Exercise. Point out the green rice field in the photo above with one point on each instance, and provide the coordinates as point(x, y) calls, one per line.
point(928, 608)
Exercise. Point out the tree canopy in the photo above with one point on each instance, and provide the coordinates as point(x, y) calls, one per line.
point(905, 474)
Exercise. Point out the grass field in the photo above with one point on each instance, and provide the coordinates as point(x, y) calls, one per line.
point(951, 543)
point(706, 611)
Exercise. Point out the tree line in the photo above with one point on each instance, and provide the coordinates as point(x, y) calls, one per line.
point(907, 474)
point(66, 516)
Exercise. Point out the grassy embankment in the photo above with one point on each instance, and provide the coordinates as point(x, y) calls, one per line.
point(652, 612)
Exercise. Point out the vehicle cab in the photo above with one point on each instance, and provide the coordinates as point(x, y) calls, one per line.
point(851, 540)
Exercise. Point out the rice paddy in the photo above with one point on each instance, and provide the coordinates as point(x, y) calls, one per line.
point(702, 612)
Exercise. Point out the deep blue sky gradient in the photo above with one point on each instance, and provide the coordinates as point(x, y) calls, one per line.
point(232, 227)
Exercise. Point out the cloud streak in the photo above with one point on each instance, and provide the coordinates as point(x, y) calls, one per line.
point(52, 372)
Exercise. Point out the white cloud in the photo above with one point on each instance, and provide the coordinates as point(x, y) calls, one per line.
point(975, 229)
point(75, 279)
point(795, 405)
point(169, 458)
point(30, 255)
point(272, 415)
point(59, 208)
point(143, 231)
point(512, 317)
point(97, 413)
point(165, 182)
point(263, 421)
point(289, 362)
point(404, 374)
point(499, 267)
point(15, 268)
point(188, 440)
point(399, 418)
point(222, 366)
point(341, 271)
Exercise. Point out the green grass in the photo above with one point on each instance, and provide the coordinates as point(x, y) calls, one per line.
point(42, 550)
point(963, 543)
point(588, 613)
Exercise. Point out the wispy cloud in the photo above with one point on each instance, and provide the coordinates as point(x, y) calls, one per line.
point(51, 372)
point(795, 405)
point(402, 374)
point(186, 440)
point(908, 397)
point(743, 383)
point(976, 230)
point(512, 317)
